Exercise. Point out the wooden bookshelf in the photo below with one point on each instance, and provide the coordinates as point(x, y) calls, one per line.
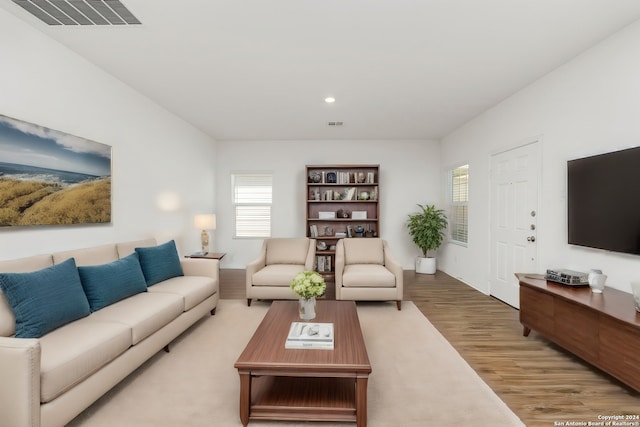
point(333, 194)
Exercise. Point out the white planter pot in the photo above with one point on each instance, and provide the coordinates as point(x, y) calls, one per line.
point(425, 265)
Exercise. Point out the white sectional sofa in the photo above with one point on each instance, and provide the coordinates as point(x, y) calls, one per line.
point(48, 380)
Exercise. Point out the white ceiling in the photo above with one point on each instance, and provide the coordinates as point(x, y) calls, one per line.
point(399, 69)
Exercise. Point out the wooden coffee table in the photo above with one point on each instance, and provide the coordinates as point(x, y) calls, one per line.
point(305, 384)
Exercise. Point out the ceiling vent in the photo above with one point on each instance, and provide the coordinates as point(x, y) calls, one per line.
point(335, 123)
point(79, 12)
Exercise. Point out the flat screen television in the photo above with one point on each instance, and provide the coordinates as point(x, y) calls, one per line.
point(603, 194)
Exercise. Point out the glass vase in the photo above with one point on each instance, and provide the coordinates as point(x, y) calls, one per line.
point(307, 308)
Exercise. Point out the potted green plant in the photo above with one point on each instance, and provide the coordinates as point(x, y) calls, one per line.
point(427, 231)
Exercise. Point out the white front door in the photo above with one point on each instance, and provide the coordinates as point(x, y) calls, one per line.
point(514, 219)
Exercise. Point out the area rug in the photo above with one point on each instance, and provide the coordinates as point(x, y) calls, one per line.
point(418, 378)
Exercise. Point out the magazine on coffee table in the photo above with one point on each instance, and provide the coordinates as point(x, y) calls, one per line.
point(310, 335)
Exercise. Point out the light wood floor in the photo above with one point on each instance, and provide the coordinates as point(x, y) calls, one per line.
point(540, 382)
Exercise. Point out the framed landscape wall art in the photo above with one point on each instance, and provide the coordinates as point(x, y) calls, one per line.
point(49, 177)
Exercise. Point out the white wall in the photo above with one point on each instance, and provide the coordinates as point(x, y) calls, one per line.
point(153, 151)
point(409, 174)
point(588, 106)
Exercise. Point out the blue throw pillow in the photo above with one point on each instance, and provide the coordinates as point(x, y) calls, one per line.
point(108, 283)
point(160, 262)
point(46, 299)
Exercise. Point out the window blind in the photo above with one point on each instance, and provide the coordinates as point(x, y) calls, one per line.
point(252, 197)
point(459, 217)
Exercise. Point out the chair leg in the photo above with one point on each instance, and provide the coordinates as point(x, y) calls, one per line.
point(248, 302)
point(399, 304)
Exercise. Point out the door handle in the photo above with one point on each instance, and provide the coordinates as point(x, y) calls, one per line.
point(531, 239)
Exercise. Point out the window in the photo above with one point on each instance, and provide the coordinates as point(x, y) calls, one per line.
point(459, 195)
point(252, 195)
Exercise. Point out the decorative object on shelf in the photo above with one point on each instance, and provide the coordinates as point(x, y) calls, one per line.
point(342, 213)
point(332, 178)
point(359, 231)
point(205, 222)
point(427, 230)
point(321, 246)
point(596, 281)
point(361, 177)
point(315, 176)
point(364, 195)
point(328, 231)
point(635, 288)
point(308, 285)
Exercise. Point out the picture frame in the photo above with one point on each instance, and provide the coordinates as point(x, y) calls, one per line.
point(326, 215)
point(359, 215)
point(49, 177)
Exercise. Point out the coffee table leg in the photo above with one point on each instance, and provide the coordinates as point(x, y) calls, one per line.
point(361, 401)
point(245, 397)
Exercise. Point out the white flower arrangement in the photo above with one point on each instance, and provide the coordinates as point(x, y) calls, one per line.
point(308, 284)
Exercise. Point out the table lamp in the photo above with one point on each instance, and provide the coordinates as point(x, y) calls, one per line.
point(205, 222)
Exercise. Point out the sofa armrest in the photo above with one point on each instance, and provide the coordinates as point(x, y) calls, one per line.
point(311, 255)
point(256, 265)
point(201, 267)
point(339, 267)
point(396, 268)
point(20, 385)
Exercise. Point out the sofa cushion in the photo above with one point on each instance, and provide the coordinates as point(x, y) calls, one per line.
point(88, 256)
point(194, 289)
point(368, 276)
point(144, 313)
point(363, 251)
point(276, 275)
point(46, 299)
point(75, 351)
point(23, 265)
point(287, 251)
point(159, 262)
point(108, 283)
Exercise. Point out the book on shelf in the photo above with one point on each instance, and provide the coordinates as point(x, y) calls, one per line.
point(323, 263)
point(310, 336)
point(344, 178)
point(370, 178)
point(350, 193)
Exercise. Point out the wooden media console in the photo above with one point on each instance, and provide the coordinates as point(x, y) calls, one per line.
point(602, 329)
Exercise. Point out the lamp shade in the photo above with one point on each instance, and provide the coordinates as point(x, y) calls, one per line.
point(205, 222)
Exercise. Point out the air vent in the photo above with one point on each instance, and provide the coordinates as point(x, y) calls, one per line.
point(335, 123)
point(79, 12)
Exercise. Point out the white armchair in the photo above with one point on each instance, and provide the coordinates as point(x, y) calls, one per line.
point(280, 259)
point(366, 271)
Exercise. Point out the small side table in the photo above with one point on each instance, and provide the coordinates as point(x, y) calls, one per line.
point(210, 255)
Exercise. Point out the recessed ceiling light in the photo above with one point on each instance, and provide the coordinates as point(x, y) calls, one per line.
point(330, 100)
